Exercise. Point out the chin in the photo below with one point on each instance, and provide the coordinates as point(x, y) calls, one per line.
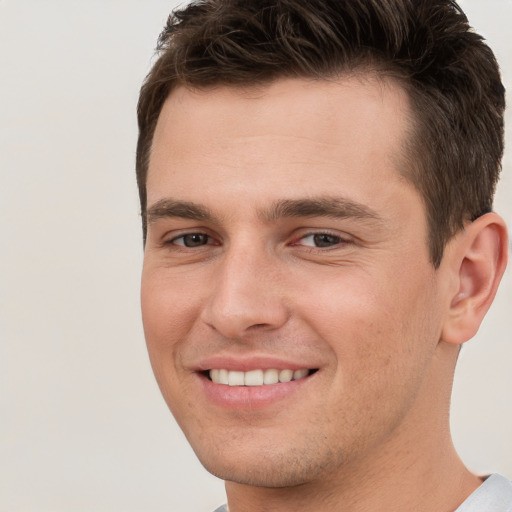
point(269, 468)
point(261, 475)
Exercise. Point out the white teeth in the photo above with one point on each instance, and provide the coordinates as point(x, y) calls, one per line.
point(214, 375)
point(223, 377)
point(255, 377)
point(236, 378)
point(300, 374)
point(285, 375)
point(271, 377)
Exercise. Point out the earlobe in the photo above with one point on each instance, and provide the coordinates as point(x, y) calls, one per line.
point(479, 261)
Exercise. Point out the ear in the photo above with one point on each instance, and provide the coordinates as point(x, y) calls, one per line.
point(477, 260)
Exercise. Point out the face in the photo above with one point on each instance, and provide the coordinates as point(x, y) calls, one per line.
point(290, 308)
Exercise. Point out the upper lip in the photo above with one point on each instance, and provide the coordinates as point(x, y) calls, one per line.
point(246, 364)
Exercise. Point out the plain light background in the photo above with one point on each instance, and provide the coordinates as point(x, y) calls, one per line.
point(83, 426)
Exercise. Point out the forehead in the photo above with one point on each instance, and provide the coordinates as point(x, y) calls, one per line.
point(289, 134)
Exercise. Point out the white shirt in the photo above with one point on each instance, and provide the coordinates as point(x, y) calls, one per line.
point(494, 495)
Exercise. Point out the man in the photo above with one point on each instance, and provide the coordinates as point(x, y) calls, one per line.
point(316, 182)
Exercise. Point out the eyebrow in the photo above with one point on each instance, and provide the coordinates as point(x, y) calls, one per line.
point(338, 208)
point(166, 208)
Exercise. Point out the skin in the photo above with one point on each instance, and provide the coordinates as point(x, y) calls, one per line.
point(366, 309)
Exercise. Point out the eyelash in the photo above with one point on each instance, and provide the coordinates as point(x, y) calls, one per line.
point(196, 233)
point(336, 241)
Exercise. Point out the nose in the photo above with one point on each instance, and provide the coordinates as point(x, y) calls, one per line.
point(247, 295)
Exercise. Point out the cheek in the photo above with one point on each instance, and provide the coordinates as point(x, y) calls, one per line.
point(167, 316)
point(382, 345)
point(372, 321)
point(167, 319)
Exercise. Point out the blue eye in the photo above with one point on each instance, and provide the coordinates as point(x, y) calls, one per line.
point(192, 240)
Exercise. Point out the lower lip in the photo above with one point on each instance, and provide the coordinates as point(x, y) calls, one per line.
point(250, 397)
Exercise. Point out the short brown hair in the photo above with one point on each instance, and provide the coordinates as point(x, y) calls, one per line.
point(452, 77)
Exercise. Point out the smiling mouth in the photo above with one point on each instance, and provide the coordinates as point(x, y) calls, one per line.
point(256, 377)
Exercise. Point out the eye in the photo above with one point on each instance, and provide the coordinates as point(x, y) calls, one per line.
point(192, 240)
point(321, 240)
